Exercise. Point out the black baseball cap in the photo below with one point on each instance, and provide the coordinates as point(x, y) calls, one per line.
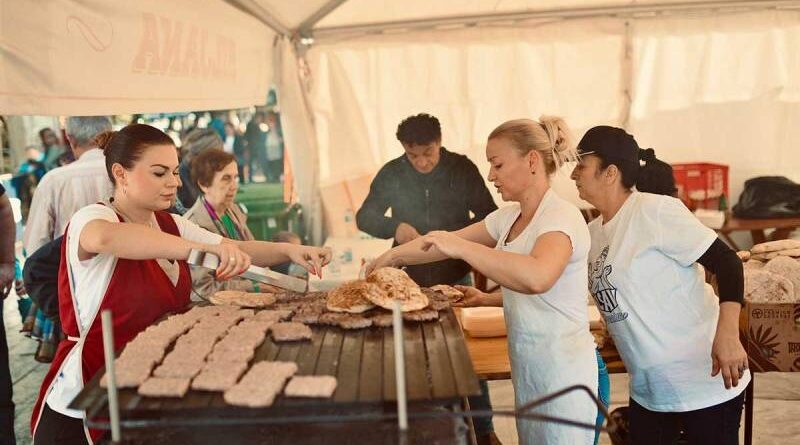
point(609, 143)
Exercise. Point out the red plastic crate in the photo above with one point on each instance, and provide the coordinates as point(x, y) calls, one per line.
point(701, 185)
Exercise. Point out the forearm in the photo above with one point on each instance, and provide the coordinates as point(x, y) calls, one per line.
point(265, 253)
point(373, 222)
point(511, 270)
point(728, 322)
point(134, 242)
point(493, 299)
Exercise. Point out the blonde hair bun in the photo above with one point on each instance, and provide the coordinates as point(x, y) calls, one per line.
point(561, 139)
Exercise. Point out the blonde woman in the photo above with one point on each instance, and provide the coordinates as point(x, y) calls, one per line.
point(536, 249)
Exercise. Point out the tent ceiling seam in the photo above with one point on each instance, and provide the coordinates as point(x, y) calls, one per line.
point(624, 11)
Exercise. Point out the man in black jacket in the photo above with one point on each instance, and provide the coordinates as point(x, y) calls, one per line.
point(429, 188)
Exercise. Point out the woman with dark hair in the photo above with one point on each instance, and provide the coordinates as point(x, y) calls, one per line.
point(129, 256)
point(679, 343)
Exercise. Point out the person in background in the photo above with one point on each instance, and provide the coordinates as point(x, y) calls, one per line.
point(7, 274)
point(217, 124)
point(680, 343)
point(215, 174)
point(65, 190)
point(536, 250)
point(256, 137)
point(196, 142)
point(51, 147)
point(129, 256)
point(429, 188)
point(27, 178)
point(236, 144)
point(274, 152)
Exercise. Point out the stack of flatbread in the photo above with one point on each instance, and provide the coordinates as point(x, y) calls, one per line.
point(772, 272)
point(242, 299)
point(396, 285)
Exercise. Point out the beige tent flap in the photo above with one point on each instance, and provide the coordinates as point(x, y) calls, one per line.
point(89, 57)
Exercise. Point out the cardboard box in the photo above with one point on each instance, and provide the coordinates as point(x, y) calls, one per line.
point(340, 202)
point(771, 335)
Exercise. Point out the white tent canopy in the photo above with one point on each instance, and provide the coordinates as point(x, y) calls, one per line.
point(696, 80)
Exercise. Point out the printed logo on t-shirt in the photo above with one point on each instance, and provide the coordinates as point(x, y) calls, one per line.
point(603, 292)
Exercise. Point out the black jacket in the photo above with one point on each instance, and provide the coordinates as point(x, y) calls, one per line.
point(439, 200)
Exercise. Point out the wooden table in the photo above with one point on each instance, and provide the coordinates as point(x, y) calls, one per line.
point(757, 228)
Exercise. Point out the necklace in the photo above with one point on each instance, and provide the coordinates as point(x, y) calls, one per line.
point(128, 218)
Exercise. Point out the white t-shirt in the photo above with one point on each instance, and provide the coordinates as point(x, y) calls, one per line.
point(643, 277)
point(549, 341)
point(90, 280)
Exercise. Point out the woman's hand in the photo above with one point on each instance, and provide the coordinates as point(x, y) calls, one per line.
point(728, 355)
point(472, 297)
point(385, 260)
point(232, 260)
point(309, 257)
point(447, 243)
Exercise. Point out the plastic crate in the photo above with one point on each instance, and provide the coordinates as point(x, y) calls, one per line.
point(266, 223)
point(702, 185)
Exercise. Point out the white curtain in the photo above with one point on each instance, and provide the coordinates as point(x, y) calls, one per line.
point(721, 89)
point(472, 80)
point(298, 133)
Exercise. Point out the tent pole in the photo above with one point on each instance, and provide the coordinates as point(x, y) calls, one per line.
point(254, 9)
point(305, 28)
point(555, 13)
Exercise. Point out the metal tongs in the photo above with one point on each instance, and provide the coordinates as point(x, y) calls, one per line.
point(255, 273)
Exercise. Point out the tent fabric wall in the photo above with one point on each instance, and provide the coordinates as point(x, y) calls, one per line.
point(91, 57)
point(703, 88)
point(472, 80)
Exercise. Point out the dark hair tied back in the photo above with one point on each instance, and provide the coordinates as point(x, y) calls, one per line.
point(647, 154)
point(125, 147)
point(103, 140)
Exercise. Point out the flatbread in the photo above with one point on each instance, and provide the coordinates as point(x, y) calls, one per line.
point(129, 377)
point(788, 268)
point(761, 286)
point(351, 297)
point(185, 370)
point(215, 380)
point(290, 331)
point(382, 320)
point(753, 264)
point(396, 285)
point(421, 315)
point(773, 246)
point(250, 397)
point(311, 386)
point(164, 387)
point(273, 315)
point(225, 297)
point(255, 300)
point(355, 321)
point(450, 292)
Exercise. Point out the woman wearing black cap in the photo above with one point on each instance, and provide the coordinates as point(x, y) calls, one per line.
point(679, 343)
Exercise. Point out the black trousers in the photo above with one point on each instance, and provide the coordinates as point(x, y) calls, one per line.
point(715, 425)
point(57, 429)
point(6, 389)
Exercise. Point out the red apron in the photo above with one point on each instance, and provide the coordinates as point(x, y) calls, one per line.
point(138, 293)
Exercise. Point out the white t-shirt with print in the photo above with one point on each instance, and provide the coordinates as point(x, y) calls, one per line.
point(90, 282)
point(643, 277)
point(549, 342)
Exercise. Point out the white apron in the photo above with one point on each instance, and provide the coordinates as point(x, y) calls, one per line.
point(549, 342)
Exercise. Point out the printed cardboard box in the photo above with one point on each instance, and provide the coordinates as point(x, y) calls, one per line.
point(771, 335)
